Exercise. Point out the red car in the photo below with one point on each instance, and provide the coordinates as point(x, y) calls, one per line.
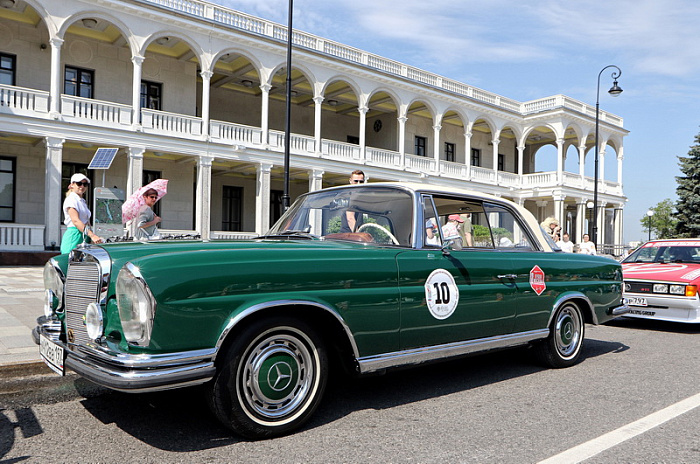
point(662, 278)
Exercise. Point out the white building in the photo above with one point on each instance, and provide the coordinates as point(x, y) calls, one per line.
point(193, 92)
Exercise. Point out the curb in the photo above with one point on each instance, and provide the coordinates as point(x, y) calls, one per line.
point(23, 368)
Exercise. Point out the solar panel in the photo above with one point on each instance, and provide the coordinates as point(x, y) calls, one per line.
point(103, 158)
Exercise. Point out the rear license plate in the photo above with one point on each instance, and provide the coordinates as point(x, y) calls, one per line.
point(636, 301)
point(52, 354)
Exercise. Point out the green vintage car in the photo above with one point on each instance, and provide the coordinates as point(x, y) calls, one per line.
point(359, 277)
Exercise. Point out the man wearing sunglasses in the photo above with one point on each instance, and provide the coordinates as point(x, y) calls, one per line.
point(351, 220)
point(76, 214)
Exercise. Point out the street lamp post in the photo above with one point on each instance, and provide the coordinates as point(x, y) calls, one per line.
point(288, 109)
point(650, 213)
point(615, 90)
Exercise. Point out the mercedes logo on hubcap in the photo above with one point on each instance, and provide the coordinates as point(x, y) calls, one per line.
point(279, 376)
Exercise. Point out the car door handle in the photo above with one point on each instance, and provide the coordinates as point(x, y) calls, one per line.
point(508, 276)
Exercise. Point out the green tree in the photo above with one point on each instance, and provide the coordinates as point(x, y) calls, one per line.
point(663, 222)
point(688, 190)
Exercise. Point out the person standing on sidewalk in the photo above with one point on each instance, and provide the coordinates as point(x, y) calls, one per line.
point(76, 214)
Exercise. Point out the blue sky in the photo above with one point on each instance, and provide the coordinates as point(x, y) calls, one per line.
point(527, 50)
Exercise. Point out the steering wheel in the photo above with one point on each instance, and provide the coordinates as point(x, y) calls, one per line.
point(382, 228)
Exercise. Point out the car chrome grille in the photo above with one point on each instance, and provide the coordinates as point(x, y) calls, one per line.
point(82, 288)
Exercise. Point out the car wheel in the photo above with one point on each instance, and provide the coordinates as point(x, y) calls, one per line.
point(272, 379)
point(563, 346)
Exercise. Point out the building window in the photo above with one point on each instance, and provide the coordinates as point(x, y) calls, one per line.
point(8, 67)
point(7, 189)
point(151, 95)
point(148, 177)
point(79, 82)
point(420, 146)
point(476, 157)
point(276, 205)
point(232, 209)
point(501, 162)
point(353, 139)
point(449, 151)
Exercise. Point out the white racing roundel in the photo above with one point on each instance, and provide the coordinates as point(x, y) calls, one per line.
point(441, 294)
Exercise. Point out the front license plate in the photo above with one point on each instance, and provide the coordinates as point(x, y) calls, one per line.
point(636, 301)
point(52, 354)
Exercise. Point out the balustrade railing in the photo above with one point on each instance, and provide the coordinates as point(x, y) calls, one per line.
point(95, 112)
point(226, 132)
point(299, 143)
point(21, 237)
point(177, 125)
point(21, 101)
point(340, 150)
point(380, 157)
point(420, 164)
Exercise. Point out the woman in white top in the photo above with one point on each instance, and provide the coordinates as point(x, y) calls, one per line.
point(587, 247)
point(76, 214)
point(147, 220)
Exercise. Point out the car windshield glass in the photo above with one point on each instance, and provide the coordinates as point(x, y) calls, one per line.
point(666, 252)
point(369, 214)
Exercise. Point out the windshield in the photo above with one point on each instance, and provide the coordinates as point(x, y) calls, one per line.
point(666, 252)
point(363, 214)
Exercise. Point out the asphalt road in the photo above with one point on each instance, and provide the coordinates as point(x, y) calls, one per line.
point(634, 398)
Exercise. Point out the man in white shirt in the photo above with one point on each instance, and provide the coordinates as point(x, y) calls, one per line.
point(565, 244)
point(587, 247)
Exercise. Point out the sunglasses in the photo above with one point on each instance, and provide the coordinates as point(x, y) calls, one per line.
point(357, 181)
point(155, 197)
point(83, 183)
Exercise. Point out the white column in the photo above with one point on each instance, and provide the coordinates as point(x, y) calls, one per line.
point(580, 221)
point(541, 210)
point(55, 87)
point(601, 171)
point(620, 157)
point(436, 145)
point(262, 198)
point(559, 209)
point(402, 139)
point(581, 161)
point(316, 180)
point(134, 178)
point(53, 197)
point(136, 91)
point(618, 226)
point(495, 143)
point(206, 104)
point(468, 152)
point(203, 203)
point(521, 157)
point(265, 114)
point(560, 161)
point(363, 131)
point(602, 239)
point(318, 108)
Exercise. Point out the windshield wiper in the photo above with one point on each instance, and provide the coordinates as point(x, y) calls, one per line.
point(293, 234)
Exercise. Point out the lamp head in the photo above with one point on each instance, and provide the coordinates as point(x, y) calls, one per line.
point(615, 90)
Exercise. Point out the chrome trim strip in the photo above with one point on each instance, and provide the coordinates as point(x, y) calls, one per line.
point(431, 353)
point(573, 296)
point(272, 304)
point(138, 372)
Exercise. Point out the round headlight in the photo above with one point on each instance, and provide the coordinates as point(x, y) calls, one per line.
point(93, 321)
point(53, 282)
point(50, 302)
point(136, 305)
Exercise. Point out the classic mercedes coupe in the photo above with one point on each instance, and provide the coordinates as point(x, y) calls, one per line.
point(360, 277)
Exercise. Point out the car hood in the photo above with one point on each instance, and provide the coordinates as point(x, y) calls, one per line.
point(670, 272)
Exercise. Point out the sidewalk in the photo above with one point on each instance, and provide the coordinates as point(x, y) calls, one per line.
point(21, 302)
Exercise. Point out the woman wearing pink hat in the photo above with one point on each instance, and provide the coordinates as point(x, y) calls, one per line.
point(451, 230)
point(76, 214)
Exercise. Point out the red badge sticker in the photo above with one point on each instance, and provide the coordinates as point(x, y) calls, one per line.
point(537, 280)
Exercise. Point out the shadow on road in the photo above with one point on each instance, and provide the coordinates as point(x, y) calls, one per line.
point(180, 421)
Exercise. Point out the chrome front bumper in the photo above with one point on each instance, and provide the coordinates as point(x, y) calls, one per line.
point(133, 372)
point(620, 310)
